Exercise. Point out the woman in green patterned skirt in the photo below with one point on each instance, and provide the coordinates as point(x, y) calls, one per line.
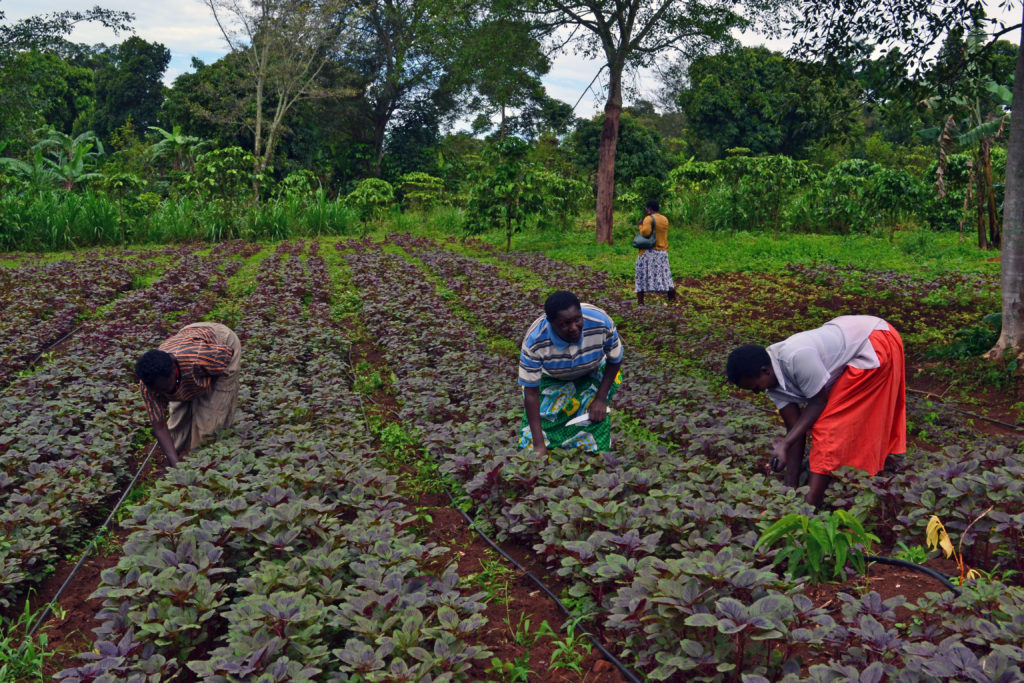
point(569, 369)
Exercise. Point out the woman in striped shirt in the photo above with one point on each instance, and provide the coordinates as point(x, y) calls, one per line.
point(569, 369)
point(190, 386)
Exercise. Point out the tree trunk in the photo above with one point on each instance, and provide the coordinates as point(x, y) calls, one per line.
point(1012, 283)
point(990, 195)
point(979, 197)
point(606, 157)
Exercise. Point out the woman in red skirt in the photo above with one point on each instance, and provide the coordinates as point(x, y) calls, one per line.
point(844, 384)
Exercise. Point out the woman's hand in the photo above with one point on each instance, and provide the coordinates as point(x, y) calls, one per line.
point(780, 456)
point(598, 410)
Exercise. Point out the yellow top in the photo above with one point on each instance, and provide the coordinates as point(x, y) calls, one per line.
point(660, 230)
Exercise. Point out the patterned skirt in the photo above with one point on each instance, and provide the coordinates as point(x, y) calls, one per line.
point(563, 400)
point(652, 271)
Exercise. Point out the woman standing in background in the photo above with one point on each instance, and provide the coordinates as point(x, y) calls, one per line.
point(653, 273)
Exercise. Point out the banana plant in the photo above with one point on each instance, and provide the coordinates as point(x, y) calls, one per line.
point(71, 156)
point(181, 148)
point(36, 173)
point(985, 115)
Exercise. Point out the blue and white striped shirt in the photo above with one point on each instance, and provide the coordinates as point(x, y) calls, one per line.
point(545, 353)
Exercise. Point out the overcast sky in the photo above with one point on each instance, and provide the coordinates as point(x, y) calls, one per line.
point(187, 28)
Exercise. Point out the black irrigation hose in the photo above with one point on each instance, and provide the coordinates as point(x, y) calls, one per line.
point(607, 655)
point(472, 525)
point(85, 553)
point(50, 347)
point(938, 576)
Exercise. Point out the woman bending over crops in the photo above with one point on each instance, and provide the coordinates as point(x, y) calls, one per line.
point(190, 386)
point(653, 273)
point(569, 369)
point(844, 384)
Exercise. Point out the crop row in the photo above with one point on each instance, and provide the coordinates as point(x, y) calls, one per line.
point(71, 429)
point(281, 553)
point(957, 483)
point(41, 302)
point(659, 538)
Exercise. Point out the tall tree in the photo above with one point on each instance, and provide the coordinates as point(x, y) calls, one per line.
point(128, 85)
point(403, 48)
point(759, 99)
point(45, 32)
point(502, 60)
point(842, 28)
point(286, 45)
point(630, 34)
point(39, 89)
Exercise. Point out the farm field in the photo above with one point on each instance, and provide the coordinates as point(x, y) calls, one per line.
point(317, 540)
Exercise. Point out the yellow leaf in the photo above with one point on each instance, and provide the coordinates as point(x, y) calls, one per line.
point(936, 536)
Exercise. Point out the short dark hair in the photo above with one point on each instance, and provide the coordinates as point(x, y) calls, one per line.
point(652, 204)
point(153, 365)
point(746, 361)
point(558, 302)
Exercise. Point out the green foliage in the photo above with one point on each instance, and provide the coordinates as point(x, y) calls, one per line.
point(638, 152)
point(915, 553)
point(512, 191)
point(41, 89)
point(297, 184)
point(225, 174)
point(763, 101)
point(420, 190)
point(647, 188)
point(809, 545)
point(22, 659)
point(128, 84)
point(371, 198)
point(971, 341)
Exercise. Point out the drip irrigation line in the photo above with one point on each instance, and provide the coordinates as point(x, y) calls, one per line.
point(604, 651)
point(938, 576)
point(88, 549)
point(472, 525)
point(967, 412)
point(50, 347)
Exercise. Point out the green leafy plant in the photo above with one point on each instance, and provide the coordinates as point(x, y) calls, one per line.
point(569, 652)
point(371, 198)
point(492, 579)
point(913, 553)
point(22, 659)
point(516, 670)
point(812, 544)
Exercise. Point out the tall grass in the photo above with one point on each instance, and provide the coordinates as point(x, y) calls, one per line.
point(57, 220)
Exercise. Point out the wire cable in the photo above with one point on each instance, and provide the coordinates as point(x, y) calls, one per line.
point(85, 553)
point(601, 648)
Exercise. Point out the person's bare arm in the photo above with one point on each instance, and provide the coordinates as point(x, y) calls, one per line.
point(788, 451)
point(789, 458)
point(163, 437)
point(531, 403)
point(599, 406)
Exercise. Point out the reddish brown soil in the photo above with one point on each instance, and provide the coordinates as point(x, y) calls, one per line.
point(886, 580)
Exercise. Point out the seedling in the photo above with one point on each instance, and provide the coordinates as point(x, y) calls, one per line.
point(811, 544)
point(492, 579)
point(516, 670)
point(570, 652)
point(914, 553)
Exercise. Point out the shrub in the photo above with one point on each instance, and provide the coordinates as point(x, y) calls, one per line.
point(420, 190)
point(371, 198)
